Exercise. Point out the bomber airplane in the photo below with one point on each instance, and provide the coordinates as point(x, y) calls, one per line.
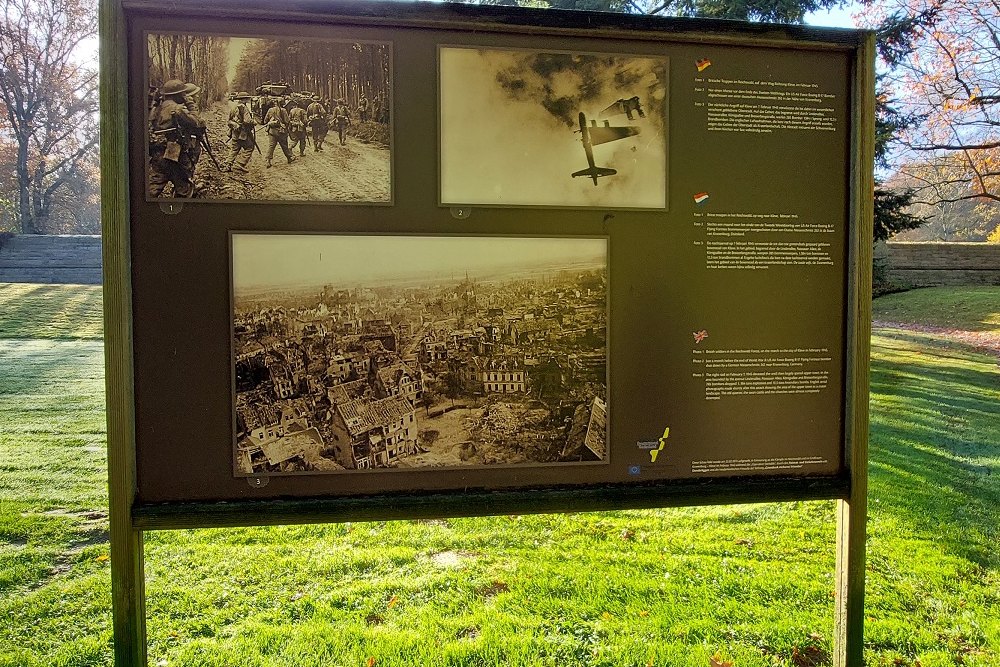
point(624, 106)
point(594, 135)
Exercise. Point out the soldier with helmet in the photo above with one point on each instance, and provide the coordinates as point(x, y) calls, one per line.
point(341, 119)
point(174, 147)
point(276, 122)
point(241, 132)
point(316, 115)
point(296, 127)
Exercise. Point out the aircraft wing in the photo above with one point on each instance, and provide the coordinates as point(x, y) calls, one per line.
point(602, 135)
point(613, 109)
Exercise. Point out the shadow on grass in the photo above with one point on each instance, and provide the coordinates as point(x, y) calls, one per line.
point(38, 368)
point(50, 311)
point(934, 458)
point(969, 308)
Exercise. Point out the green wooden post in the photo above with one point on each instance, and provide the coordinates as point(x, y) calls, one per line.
point(127, 590)
point(852, 512)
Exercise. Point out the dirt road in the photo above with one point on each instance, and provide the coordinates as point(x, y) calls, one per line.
point(355, 172)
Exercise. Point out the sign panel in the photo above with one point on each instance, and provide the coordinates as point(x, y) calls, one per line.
point(373, 256)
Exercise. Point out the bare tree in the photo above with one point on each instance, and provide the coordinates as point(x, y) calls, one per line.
point(944, 57)
point(49, 102)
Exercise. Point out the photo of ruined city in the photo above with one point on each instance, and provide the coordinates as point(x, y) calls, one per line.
point(402, 352)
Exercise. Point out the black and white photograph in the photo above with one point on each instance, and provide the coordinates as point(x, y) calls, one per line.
point(540, 128)
point(268, 119)
point(389, 353)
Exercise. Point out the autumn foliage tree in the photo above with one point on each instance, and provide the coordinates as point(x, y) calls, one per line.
point(943, 61)
point(48, 112)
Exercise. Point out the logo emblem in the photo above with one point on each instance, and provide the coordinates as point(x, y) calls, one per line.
point(654, 447)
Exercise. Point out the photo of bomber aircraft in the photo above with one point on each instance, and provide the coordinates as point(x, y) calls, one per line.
point(594, 135)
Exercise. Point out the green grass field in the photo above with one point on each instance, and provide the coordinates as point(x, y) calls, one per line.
point(753, 583)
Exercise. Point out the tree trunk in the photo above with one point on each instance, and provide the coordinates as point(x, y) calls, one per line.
point(24, 213)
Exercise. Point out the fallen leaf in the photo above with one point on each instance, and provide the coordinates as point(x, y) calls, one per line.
point(745, 542)
point(606, 616)
point(809, 656)
point(627, 534)
point(644, 613)
point(103, 558)
point(650, 663)
point(496, 587)
point(392, 602)
point(717, 661)
point(371, 661)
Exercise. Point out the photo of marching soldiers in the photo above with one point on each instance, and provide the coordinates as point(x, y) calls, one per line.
point(402, 352)
point(233, 118)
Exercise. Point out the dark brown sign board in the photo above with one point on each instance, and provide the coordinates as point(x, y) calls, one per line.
point(441, 260)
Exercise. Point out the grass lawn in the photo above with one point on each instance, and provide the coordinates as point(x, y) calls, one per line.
point(664, 587)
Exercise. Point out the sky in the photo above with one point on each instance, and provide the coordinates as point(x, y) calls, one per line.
point(272, 260)
point(833, 18)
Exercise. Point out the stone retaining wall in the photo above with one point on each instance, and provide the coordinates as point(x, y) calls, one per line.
point(933, 264)
point(32, 258)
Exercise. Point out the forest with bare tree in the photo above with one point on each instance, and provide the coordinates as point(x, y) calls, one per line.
point(199, 59)
point(332, 70)
point(48, 118)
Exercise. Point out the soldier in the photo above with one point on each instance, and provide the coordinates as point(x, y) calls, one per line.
point(276, 122)
point(174, 148)
point(363, 108)
point(316, 115)
point(341, 120)
point(296, 127)
point(241, 132)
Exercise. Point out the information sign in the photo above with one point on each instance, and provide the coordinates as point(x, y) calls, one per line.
point(386, 261)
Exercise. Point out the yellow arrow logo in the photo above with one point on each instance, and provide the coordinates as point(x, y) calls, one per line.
point(663, 443)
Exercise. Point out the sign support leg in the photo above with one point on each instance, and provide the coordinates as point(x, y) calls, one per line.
point(849, 620)
point(128, 591)
point(852, 512)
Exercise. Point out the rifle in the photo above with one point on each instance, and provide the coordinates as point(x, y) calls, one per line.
point(253, 132)
point(203, 141)
point(198, 133)
point(253, 126)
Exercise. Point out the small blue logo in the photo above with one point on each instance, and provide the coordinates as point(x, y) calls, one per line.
point(634, 470)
